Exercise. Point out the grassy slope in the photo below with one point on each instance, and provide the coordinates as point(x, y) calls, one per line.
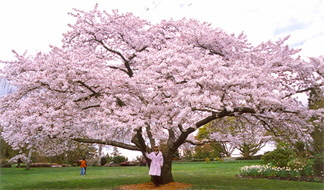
point(202, 175)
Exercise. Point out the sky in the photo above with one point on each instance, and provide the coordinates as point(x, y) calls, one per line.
point(33, 25)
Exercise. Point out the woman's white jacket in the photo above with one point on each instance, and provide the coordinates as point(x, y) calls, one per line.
point(156, 162)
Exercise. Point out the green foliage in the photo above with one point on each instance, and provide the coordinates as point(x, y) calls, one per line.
point(6, 152)
point(187, 154)
point(81, 150)
point(103, 161)
point(257, 157)
point(295, 160)
point(94, 163)
point(176, 155)
point(300, 149)
point(115, 157)
point(205, 151)
point(319, 165)
point(279, 157)
point(316, 101)
point(249, 150)
point(203, 132)
point(5, 164)
point(218, 159)
point(234, 126)
point(298, 163)
point(68, 157)
point(207, 160)
point(119, 159)
point(318, 136)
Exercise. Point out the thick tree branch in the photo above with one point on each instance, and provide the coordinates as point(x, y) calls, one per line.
point(93, 92)
point(126, 62)
point(149, 134)
point(114, 67)
point(108, 142)
point(88, 87)
point(92, 106)
point(120, 102)
point(171, 138)
point(204, 142)
point(139, 141)
point(215, 115)
point(48, 86)
point(211, 51)
point(304, 90)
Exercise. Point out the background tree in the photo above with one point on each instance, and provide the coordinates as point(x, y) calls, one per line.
point(119, 80)
point(80, 151)
point(316, 101)
point(244, 134)
point(214, 147)
point(221, 145)
point(187, 151)
point(100, 146)
point(103, 161)
point(117, 157)
point(206, 151)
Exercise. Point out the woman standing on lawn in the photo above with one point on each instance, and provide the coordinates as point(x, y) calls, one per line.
point(156, 158)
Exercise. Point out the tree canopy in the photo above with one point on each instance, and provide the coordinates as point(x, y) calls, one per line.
point(120, 80)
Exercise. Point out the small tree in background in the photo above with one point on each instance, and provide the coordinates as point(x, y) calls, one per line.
point(117, 157)
point(244, 134)
point(224, 146)
point(205, 151)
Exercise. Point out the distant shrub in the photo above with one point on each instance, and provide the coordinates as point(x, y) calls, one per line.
point(119, 159)
point(257, 157)
point(280, 157)
point(94, 163)
point(319, 165)
point(103, 161)
point(5, 164)
point(218, 159)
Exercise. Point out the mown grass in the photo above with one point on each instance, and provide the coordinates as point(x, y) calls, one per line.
point(213, 175)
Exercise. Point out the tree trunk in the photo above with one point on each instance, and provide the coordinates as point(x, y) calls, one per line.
point(166, 173)
point(99, 154)
point(29, 159)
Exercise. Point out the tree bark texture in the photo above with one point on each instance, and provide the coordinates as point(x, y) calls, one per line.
point(166, 172)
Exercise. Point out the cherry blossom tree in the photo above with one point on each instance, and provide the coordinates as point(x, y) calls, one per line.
point(119, 80)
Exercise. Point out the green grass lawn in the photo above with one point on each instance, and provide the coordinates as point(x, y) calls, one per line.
point(202, 175)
